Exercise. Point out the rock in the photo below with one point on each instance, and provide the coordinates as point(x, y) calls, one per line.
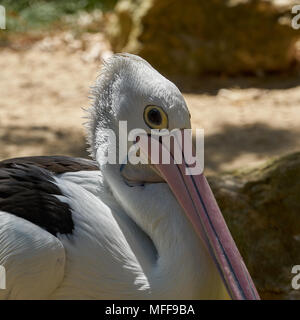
point(262, 209)
point(193, 37)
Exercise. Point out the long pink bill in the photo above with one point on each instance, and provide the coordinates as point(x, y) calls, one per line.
point(198, 202)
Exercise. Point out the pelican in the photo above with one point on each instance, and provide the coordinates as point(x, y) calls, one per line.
point(74, 228)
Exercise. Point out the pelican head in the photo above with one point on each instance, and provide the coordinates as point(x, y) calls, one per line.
point(176, 211)
point(130, 89)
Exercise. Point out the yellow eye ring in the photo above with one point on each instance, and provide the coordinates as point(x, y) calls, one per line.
point(155, 117)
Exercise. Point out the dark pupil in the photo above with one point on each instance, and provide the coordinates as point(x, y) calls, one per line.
point(154, 116)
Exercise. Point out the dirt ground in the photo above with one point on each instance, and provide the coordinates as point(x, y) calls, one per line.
point(42, 90)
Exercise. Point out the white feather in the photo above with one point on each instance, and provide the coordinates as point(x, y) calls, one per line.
point(34, 259)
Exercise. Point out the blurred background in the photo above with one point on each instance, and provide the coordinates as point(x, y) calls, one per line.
point(237, 63)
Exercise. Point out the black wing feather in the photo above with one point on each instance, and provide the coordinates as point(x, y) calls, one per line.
point(27, 190)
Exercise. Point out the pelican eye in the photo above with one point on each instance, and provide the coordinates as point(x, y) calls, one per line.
point(155, 117)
